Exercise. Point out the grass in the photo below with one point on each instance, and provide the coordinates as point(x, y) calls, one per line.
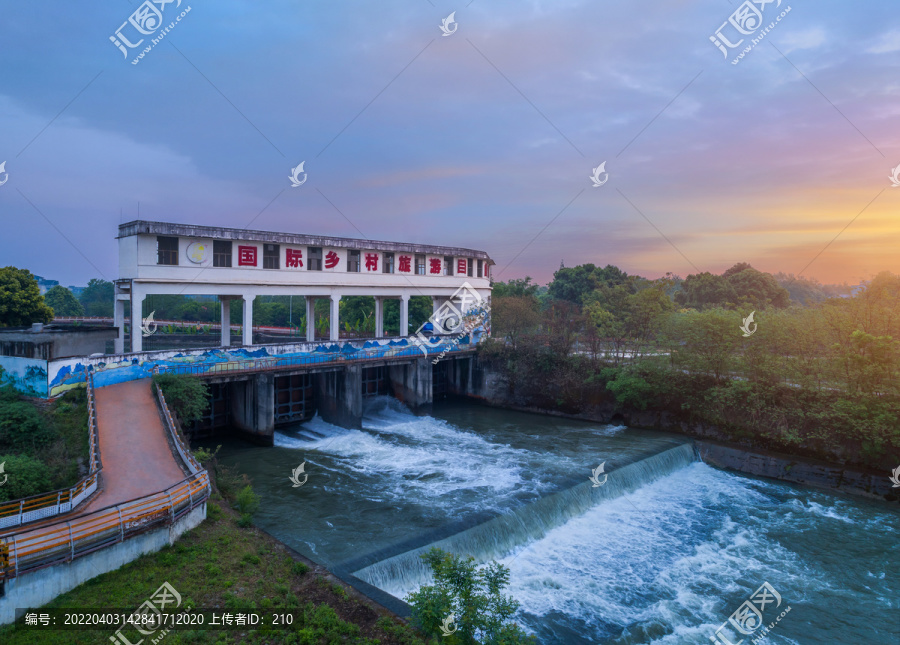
point(220, 565)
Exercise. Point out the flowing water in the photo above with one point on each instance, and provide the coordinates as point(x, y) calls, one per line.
point(663, 552)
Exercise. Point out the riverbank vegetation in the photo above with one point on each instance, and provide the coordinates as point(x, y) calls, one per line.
point(740, 352)
point(43, 445)
point(229, 566)
point(465, 604)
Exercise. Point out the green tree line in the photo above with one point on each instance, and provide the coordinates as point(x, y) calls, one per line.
point(816, 370)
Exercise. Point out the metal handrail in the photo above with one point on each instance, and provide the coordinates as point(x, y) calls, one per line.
point(63, 542)
point(44, 505)
point(172, 427)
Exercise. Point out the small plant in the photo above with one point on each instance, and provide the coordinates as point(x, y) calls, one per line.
point(247, 501)
point(246, 521)
point(213, 512)
point(204, 456)
point(299, 569)
point(473, 596)
point(188, 396)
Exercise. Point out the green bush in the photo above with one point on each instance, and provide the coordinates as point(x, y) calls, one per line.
point(472, 596)
point(188, 396)
point(25, 477)
point(22, 428)
point(247, 501)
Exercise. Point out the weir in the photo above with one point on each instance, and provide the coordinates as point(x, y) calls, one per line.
point(496, 537)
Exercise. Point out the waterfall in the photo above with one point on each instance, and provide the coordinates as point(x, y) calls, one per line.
point(500, 535)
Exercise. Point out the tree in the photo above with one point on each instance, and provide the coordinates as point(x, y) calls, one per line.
point(708, 340)
point(574, 284)
point(470, 599)
point(20, 299)
point(701, 290)
point(757, 289)
point(514, 316)
point(516, 288)
point(63, 302)
point(562, 321)
point(97, 299)
point(187, 396)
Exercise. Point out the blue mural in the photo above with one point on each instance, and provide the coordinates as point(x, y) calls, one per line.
point(71, 373)
point(27, 375)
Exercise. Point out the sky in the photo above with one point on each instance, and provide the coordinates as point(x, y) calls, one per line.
point(484, 138)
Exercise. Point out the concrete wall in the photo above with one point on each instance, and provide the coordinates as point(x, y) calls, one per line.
point(339, 396)
point(411, 384)
point(253, 407)
point(139, 261)
point(40, 587)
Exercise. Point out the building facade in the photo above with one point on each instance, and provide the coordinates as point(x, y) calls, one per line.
point(181, 259)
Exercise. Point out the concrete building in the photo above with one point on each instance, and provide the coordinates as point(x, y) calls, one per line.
point(164, 258)
point(49, 342)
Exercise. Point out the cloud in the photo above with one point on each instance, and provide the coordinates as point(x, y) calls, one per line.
point(886, 43)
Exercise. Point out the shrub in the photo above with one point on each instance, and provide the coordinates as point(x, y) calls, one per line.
point(25, 477)
point(21, 427)
point(247, 501)
point(472, 596)
point(188, 396)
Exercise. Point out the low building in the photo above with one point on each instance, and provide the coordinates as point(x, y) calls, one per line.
point(182, 259)
point(48, 342)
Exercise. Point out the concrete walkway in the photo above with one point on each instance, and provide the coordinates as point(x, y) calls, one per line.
point(135, 454)
point(136, 457)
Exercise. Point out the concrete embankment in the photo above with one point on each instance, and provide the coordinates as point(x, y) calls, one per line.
point(488, 387)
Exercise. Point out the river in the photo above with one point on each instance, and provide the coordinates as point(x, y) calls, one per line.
point(663, 552)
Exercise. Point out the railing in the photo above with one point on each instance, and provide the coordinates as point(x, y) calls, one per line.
point(38, 507)
point(172, 427)
point(65, 541)
point(284, 362)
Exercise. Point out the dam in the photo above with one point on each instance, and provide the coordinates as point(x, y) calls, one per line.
point(651, 556)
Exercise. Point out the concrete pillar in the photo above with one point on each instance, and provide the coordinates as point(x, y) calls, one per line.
point(334, 319)
point(379, 317)
point(310, 319)
point(119, 322)
point(412, 384)
point(253, 407)
point(226, 322)
point(404, 315)
point(339, 396)
point(137, 321)
point(247, 329)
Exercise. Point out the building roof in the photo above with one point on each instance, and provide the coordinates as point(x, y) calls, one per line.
point(143, 227)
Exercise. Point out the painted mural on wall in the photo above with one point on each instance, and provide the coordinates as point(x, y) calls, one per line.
point(27, 375)
point(66, 374)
